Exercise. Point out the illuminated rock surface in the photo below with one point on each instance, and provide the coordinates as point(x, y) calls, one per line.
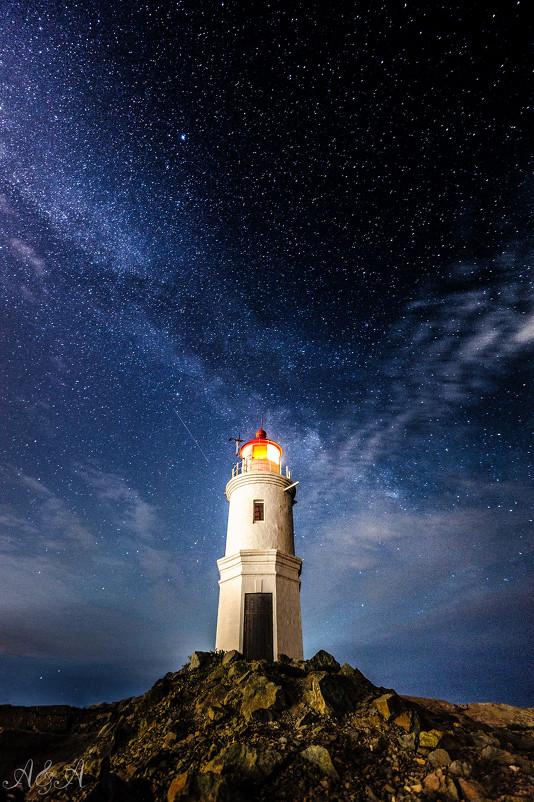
point(298, 730)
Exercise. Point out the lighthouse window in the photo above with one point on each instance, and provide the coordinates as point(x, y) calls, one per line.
point(259, 511)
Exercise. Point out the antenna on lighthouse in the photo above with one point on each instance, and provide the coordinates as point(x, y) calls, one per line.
point(237, 441)
point(261, 431)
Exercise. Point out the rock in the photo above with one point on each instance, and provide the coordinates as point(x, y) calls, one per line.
point(107, 730)
point(200, 660)
point(213, 700)
point(179, 787)
point(284, 659)
point(438, 782)
point(404, 721)
point(407, 742)
point(238, 670)
point(432, 782)
point(471, 790)
point(370, 796)
point(259, 666)
point(522, 741)
point(160, 689)
point(450, 790)
point(390, 705)
point(500, 756)
point(439, 758)
point(307, 719)
point(231, 657)
point(210, 787)
point(112, 787)
point(331, 694)
point(321, 758)
point(460, 768)
point(243, 760)
point(430, 739)
point(498, 715)
point(378, 745)
point(322, 661)
point(480, 738)
point(218, 674)
point(360, 687)
point(216, 713)
point(204, 787)
point(215, 697)
point(261, 698)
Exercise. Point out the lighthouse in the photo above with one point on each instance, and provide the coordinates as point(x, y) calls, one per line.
point(259, 586)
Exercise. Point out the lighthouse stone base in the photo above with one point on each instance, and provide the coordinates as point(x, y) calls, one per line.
point(254, 582)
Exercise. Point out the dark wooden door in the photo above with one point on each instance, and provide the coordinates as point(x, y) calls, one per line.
point(258, 629)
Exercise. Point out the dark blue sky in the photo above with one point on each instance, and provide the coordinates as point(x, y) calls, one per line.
point(321, 213)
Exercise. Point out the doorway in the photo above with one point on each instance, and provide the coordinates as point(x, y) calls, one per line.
point(258, 628)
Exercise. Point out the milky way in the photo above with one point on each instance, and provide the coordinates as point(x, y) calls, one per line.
point(318, 212)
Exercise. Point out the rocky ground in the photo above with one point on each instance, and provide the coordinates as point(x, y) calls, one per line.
point(225, 729)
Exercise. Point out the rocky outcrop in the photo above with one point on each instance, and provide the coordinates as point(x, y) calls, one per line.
point(224, 728)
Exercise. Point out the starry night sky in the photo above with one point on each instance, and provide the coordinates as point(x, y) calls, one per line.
point(318, 211)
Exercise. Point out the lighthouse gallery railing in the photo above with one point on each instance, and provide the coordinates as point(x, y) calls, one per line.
point(252, 465)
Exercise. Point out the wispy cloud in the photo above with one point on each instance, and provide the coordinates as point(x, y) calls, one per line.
point(128, 508)
point(416, 561)
point(138, 529)
point(445, 354)
point(69, 592)
point(47, 515)
point(525, 334)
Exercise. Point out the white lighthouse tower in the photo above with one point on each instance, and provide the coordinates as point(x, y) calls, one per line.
point(259, 601)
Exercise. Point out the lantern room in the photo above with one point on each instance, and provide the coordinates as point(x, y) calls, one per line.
point(260, 454)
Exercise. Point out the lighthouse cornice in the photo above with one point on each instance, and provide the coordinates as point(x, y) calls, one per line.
point(261, 477)
point(257, 561)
